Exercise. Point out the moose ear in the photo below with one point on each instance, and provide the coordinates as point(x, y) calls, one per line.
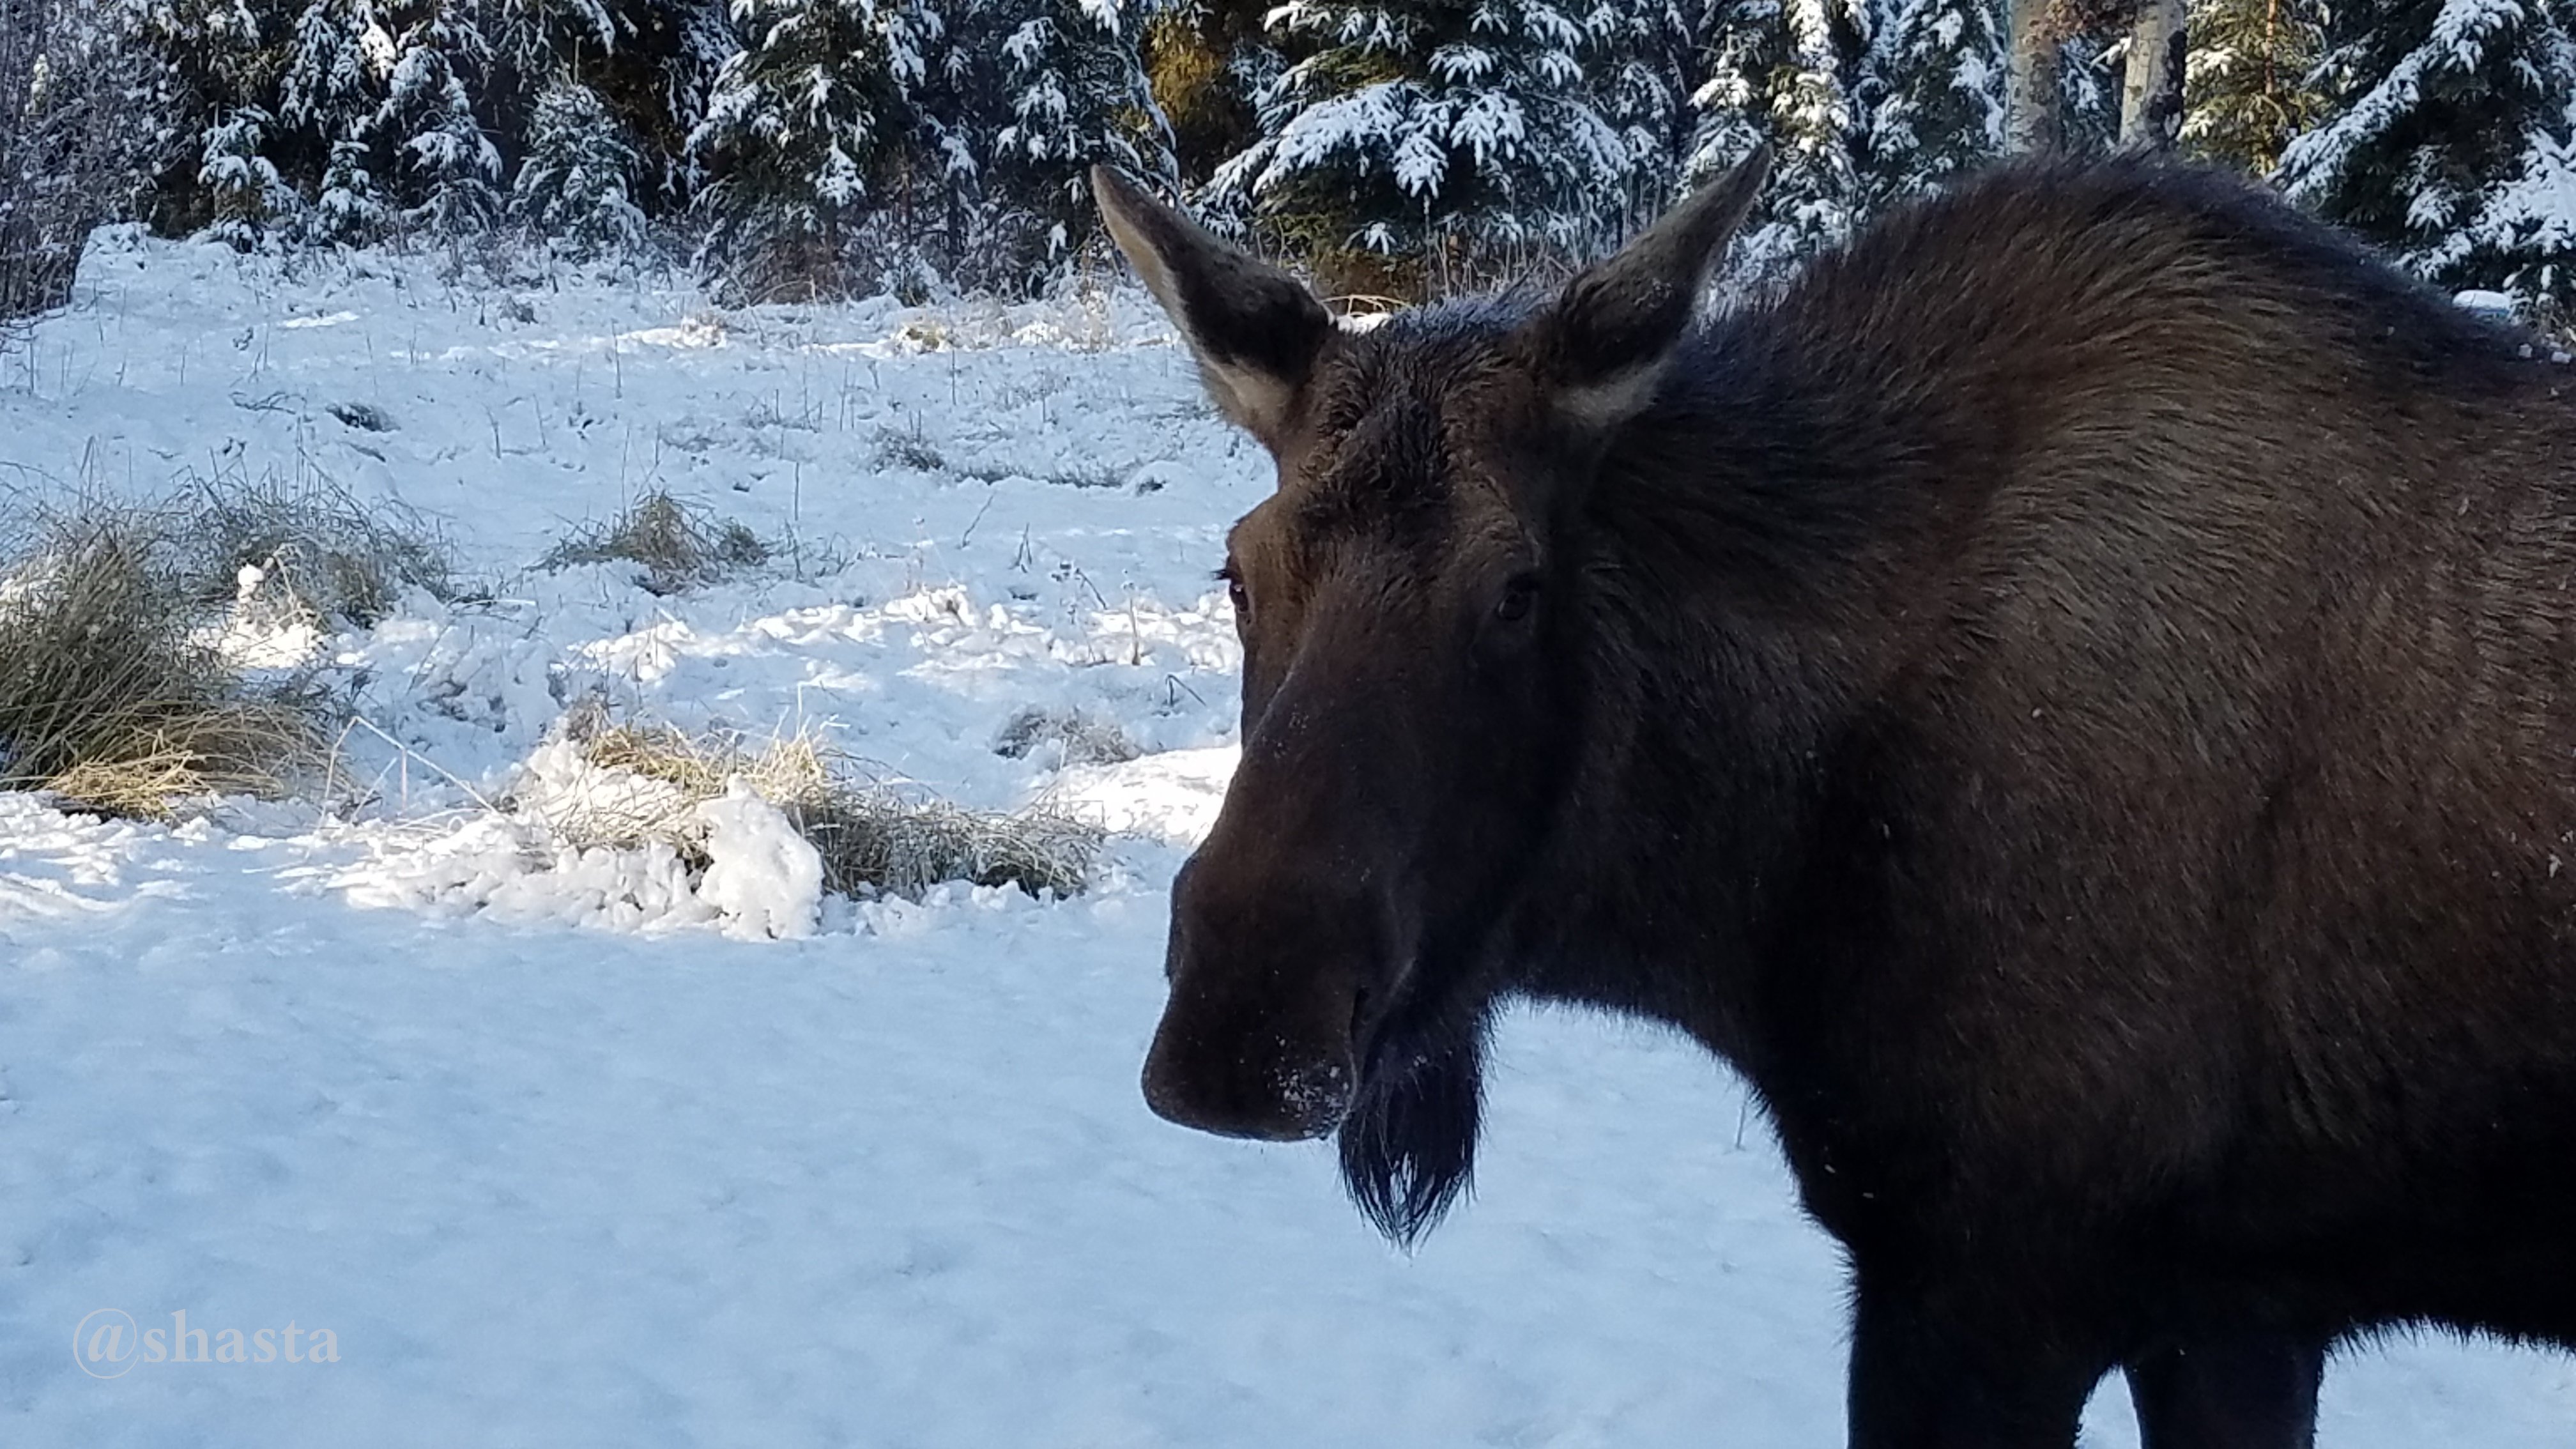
point(1602, 345)
point(1255, 330)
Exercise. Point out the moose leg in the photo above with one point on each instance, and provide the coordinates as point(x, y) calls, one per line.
point(2251, 1392)
point(1923, 1377)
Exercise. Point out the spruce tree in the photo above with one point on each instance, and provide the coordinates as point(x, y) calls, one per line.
point(222, 56)
point(2088, 90)
point(2248, 80)
point(1206, 60)
point(1077, 94)
point(801, 129)
point(448, 169)
point(1467, 134)
point(1931, 97)
point(349, 207)
point(224, 53)
point(2035, 75)
point(250, 204)
point(1644, 71)
point(655, 80)
point(2449, 140)
point(330, 93)
point(1783, 73)
point(939, 222)
point(535, 43)
point(1816, 183)
point(576, 185)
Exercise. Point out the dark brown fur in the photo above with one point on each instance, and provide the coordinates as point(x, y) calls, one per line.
point(2076, 700)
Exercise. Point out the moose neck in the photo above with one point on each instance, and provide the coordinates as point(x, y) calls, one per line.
point(1756, 559)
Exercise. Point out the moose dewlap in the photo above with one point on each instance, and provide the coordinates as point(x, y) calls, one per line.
point(2075, 698)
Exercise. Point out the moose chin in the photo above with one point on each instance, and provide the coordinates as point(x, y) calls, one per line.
point(2073, 697)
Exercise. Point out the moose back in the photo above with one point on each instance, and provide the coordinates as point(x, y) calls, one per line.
point(2074, 698)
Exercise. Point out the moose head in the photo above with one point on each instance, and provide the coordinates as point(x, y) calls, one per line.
point(1412, 608)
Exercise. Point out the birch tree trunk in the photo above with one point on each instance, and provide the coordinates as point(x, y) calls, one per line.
point(2151, 97)
point(2033, 96)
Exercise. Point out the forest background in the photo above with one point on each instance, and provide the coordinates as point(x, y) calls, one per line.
point(1394, 149)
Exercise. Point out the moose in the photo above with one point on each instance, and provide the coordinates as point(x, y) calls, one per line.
point(2073, 696)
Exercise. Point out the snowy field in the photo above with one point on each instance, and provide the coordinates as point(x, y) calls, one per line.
point(564, 1149)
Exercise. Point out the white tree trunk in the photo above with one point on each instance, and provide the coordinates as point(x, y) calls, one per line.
point(2033, 95)
point(2151, 98)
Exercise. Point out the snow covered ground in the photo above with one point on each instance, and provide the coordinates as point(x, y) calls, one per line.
point(561, 1149)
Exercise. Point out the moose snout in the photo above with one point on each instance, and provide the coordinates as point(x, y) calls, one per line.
point(1256, 1038)
point(1267, 1100)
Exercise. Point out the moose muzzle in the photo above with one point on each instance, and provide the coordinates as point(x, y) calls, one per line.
point(1257, 1037)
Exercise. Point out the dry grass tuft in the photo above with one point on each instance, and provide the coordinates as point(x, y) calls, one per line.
point(875, 839)
point(680, 546)
point(320, 547)
point(906, 447)
point(1070, 736)
point(111, 693)
point(872, 839)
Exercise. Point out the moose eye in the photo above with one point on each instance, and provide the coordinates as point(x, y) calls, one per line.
point(1520, 596)
point(1235, 595)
